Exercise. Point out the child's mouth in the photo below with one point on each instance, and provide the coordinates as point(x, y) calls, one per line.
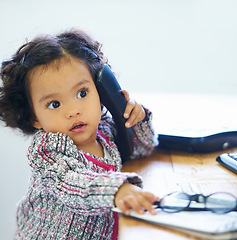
point(78, 127)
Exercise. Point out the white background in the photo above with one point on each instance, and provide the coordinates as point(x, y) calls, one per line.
point(154, 46)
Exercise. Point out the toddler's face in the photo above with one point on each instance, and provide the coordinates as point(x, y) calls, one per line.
point(65, 100)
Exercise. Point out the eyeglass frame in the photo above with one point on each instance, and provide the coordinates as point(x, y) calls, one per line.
point(195, 197)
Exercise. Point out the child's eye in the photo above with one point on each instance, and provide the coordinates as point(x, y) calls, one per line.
point(82, 93)
point(54, 104)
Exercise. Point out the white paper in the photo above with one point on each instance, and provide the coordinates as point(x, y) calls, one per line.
point(200, 223)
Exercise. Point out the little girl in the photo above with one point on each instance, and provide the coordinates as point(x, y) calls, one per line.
point(48, 90)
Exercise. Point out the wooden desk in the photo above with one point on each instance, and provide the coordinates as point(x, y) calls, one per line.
point(165, 172)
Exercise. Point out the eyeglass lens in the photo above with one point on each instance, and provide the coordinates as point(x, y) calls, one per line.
point(174, 202)
point(220, 202)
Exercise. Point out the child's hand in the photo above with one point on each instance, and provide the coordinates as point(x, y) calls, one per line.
point(134, 112)
point(130, 196)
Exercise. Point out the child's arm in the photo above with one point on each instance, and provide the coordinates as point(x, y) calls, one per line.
point(130, 196)
point(139, 118)
point(60, 171)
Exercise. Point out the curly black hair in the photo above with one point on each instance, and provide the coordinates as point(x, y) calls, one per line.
point(15, 101)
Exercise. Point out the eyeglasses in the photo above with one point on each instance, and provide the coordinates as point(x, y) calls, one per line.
point(219, 202)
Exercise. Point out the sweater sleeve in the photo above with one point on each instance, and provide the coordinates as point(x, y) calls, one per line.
point(143, 134)
point(58, 171)
point(143, 137)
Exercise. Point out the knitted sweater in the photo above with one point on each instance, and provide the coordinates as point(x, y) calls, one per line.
point(71, 192)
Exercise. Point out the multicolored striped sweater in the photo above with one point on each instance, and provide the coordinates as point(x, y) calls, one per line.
point(71, 192)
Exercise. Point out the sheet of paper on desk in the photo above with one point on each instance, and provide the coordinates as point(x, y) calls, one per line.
point(201, 224)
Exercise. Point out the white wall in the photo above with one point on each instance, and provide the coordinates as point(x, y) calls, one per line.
point(157, 46)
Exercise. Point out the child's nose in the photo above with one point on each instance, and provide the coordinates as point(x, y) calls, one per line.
point(73, 111)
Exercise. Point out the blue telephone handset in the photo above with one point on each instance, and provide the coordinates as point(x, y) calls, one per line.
point(113, 99)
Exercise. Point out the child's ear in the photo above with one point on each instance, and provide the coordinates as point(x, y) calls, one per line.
point(36, 124)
